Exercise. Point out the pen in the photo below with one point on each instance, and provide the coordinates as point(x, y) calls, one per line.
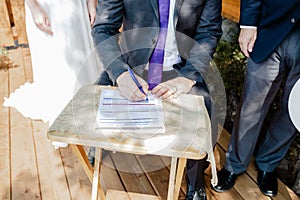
point(136, 81)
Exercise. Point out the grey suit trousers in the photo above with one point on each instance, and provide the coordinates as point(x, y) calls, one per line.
point(262, 82)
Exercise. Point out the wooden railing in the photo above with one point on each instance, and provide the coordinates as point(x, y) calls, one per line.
point(12, 20)
point(231, 9)
point(12, 23)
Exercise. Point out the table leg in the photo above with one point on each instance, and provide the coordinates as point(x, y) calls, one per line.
point(81, 155)
point(172, 178)
point(96, 177)
point(83, 160)
point(179, 175)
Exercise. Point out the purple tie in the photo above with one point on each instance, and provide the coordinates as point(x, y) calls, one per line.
point(157, 58)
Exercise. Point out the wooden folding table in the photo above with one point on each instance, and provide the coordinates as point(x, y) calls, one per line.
point(187, 127)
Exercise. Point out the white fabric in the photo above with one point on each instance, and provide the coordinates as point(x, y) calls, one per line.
point(61, 63)
point(248, 27)
point(171, 55)
point(293, 105)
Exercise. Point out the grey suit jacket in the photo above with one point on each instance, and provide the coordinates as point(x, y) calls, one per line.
point(195, 21)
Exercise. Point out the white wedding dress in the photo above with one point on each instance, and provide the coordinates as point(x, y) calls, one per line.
point(61, 63)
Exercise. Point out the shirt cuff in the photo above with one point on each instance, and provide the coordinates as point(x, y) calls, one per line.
point(248, 27)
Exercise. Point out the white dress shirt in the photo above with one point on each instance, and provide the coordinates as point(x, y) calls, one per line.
point(171, 54)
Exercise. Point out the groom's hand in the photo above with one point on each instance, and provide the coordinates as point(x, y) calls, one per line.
point(129, 89)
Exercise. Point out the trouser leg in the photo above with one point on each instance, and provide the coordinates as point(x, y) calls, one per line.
point(195, 168)
point(262, 82)
point(195, 172)
point(281, 131)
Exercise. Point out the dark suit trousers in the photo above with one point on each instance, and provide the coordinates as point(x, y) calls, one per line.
point(262, 82)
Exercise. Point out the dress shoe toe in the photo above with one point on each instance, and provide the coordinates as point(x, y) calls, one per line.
point(267, 183)
point(198, 194)
point(226, 180)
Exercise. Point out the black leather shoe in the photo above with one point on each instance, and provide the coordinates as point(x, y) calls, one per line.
point(199, 194)
point(267, 183)
point(226, 180)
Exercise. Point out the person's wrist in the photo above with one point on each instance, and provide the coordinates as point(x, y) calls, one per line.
point(121, 77)
point(191, 82)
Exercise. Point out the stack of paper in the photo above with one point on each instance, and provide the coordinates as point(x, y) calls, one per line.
point(117, 114)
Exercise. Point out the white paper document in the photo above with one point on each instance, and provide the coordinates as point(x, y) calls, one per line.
point(117, 114)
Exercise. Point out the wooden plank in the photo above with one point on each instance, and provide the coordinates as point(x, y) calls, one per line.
point(157, 173)
point(229, 195)
point(51, 171)
point(211, 195)
point(131, 173)
point(18, 11)
point(78, 183)
point(284, 192)
point(179, 176)
point(16, 74)
point(5, 139)
point(6, 37)
point(248, 189)
point(244, 184)
point(183, 187)
point(11, 18)
point(27, 65)
point(231, 9)
point(24, 174)
point(109, 177)
point(96, 176)
point(137, 196)
point(114, 194)
point(121, 195)
point(172, 177)
point(81, 155)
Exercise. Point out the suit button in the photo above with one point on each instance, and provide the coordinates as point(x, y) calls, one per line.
point(293, 20)
point(153, 41)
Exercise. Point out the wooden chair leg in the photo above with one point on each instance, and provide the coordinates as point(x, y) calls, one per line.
point(96, 187)
point(179, 176)
point(78, 150)
point(172, 178)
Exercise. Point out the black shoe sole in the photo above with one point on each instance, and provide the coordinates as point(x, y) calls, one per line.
point(267, 194)
point(221, 191)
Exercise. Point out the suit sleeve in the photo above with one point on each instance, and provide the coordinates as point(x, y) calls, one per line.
point(208, 34)
point(105, 34)
point(250, 12)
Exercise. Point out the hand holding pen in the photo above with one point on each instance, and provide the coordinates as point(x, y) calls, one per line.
point(136, 81)
point(132, 87)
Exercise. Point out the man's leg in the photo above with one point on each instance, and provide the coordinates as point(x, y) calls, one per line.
point(261, 85)
point(195, 168)
point(262, 82)
point(281, 131)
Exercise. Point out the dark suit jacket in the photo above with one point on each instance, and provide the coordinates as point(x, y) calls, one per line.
point(274, 19)
point(198, 19)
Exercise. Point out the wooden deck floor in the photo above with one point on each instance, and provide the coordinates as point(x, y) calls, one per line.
point(30, 168)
